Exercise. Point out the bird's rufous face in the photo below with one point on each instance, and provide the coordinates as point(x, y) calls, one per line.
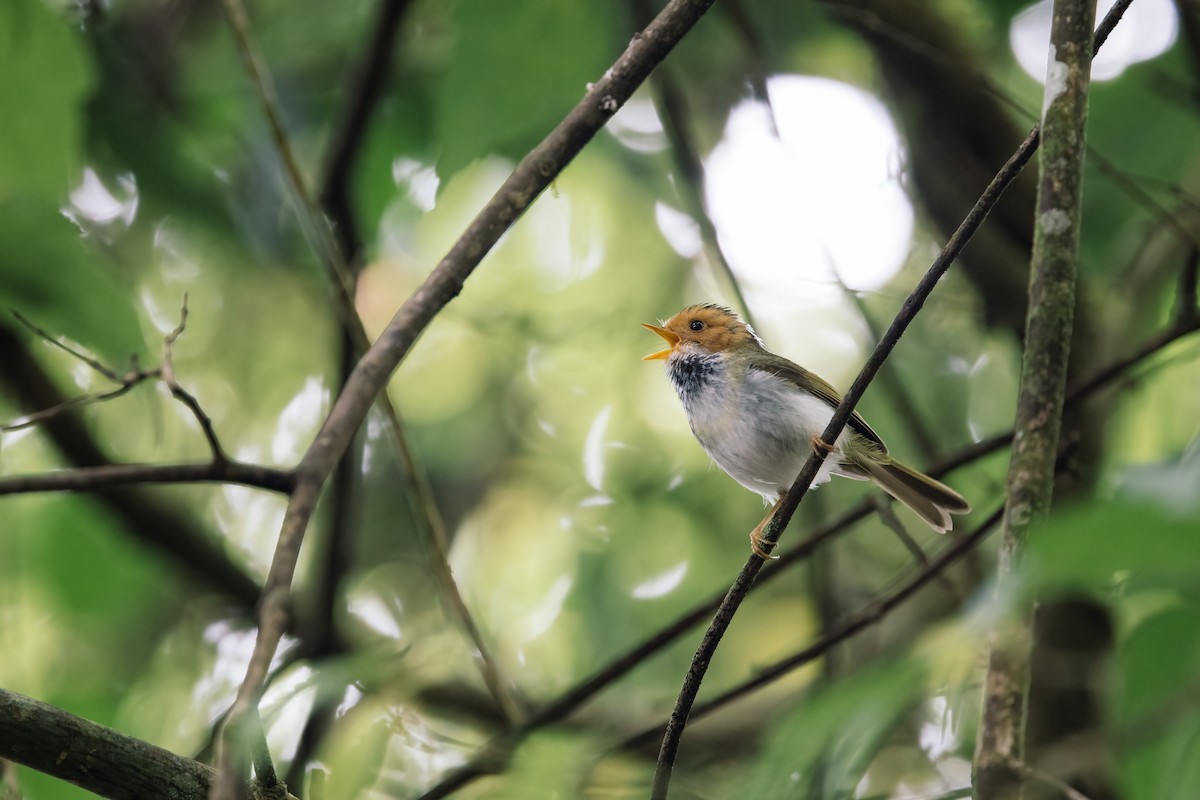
point(711, 327)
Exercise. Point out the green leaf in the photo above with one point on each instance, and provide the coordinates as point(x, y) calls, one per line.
point(1092, 547)
point(517, 69)
point(823, 745)
point(46, 75)
point(1159, 662)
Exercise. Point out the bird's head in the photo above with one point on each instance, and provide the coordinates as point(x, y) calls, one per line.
point(708, 327)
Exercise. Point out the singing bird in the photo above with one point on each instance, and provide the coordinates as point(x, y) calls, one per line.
point(758, 415)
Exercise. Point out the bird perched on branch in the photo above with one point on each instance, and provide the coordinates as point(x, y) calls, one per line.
point(758, 415)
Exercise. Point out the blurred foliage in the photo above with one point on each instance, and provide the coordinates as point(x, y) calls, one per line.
point(135, 166)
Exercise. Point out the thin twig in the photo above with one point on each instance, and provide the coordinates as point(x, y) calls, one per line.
point(260, 78)
point(129, 380)
point(890, 520)
point(952, 794)
point(158, 525)
point(531, 177)
point(912, 305)
point(182, 395)
point(47, 414)
point(93, 479)
point(57, 342)
point(1070, 792)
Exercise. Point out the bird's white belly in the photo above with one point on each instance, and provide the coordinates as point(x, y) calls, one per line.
point(761, 433)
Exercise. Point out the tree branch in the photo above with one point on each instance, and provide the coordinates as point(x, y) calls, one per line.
point(100, 759)
point(368, 83)
point(92, 479)
point(531, 176)
point(1052, 290)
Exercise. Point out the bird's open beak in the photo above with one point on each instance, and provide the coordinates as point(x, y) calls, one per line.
point(672, 339)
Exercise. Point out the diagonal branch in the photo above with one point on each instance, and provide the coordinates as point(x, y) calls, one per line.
point(99, 478)
point(531, 177)
point(134, 376)
point(908, 311)
point(99, 759)
point(66, 348)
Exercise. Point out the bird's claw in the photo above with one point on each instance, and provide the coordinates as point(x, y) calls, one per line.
point(822, 446)
point(756, 545)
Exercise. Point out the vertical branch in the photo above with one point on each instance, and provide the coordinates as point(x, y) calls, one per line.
point(1052, 288)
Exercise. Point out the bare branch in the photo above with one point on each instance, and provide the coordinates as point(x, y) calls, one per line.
point(47, 414)
point(92, 479)
point(99, 759)
point(888, 516)
point(54, 340)
point(346, 142)
point(125, 382)
point(183, 396)
point(1029, 772)
point(152, 523)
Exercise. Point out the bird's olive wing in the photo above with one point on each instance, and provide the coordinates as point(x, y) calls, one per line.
point(809, 382)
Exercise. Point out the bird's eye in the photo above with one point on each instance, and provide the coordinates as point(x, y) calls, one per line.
point(696, 325)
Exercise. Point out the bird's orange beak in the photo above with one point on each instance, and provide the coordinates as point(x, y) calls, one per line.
point(672, 339)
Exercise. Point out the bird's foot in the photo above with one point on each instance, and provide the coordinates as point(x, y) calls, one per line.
point(822, 446)
point(756, 543)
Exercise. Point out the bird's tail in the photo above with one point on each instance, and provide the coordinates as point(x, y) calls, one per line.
point(931, 500)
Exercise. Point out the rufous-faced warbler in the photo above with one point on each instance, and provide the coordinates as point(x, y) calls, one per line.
point(757, 415)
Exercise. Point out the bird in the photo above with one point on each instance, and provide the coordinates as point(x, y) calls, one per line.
point(758, 415)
